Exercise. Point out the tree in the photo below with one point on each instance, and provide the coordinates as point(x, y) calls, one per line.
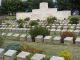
point(51, 19)
point(68, 4)
point(33, 4)
point(33, 23)
point(27, 19)
point(74, 20)
point(12, 6)
point(20, 23)
point(38, 30)
point(76, 4)
point(64, 4)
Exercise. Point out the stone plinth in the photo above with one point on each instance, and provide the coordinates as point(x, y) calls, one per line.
point(29, 39)
point(52, 31)
point(65, 27)
point(69, 24)
point(77, 28)
point(72, 27)
point(58, 31)
point(70, 30)
point(1, 53)
point(65, 24)
point(77, 41)
point(53, 27)
point(38, 57)
point(3, 34)
point(22, 55)
point(9, 34)
point(48, 27)
point(68, 40)
point(64, 30)
point(48, 39)
point(76, 32)
point(59, 27)
point(23, 37)
point(39, 38)
point(56, 39)
point(16, 36)
point(61, 24)
point(10, 55)
point(56, 58)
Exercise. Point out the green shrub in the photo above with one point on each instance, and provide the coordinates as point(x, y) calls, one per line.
point(51, 19)
point(13, 46)
point(38, 30)
point(1, 41)
point(74, 20)
point(66, 54)
point(33, 23)
point(20, 23)
point(27, 19)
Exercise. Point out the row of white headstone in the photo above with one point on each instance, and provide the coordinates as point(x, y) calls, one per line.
point(56, 39)
point(52, 26)
point(67, 39)
point(11, 55)
point(49, 27)
point(40, 39)
point(15, 36)
point(57, 32)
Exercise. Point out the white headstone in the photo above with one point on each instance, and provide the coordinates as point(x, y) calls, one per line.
point(77, 40)
point(3, 34)
point(22, 55)
point(56, 58)
point(9, 34)
point(10, 55)
point(1, 53)
point(39, 38)
point(48, 39)
point(16, 35)
point(38, 57)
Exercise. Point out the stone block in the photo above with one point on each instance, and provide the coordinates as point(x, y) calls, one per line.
point(1, 53)
point(23, 55)
point(10, 55)
point(38, 57)
point(56, 58)
point(39, 38)
point(68, 40)
point(29, 39)
point(47, 39)
point(56, 39)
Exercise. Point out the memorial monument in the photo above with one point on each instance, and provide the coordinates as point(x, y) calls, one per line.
point(43, 13)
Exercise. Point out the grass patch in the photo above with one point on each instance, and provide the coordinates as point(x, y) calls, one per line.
point(49, 49)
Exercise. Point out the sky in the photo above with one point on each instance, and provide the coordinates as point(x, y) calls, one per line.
point(0, 2)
